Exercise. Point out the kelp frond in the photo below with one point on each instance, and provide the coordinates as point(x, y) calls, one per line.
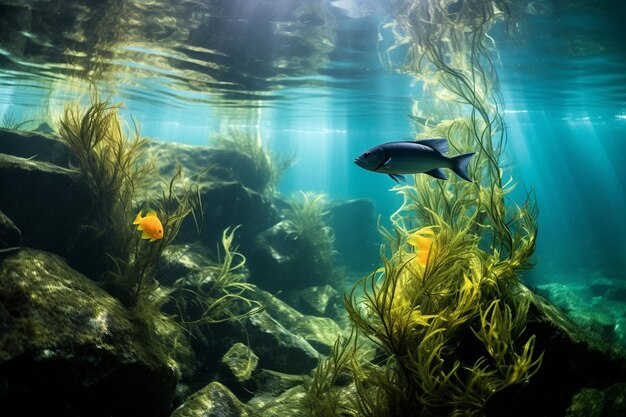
point(219, 293)
point(443, 312)
point(326, 390)
point(109, 155)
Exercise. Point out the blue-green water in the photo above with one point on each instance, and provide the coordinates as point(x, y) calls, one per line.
point(320, 84)
point(154, 324)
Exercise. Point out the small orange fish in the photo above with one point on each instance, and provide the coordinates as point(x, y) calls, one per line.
point(150, 225)
point(422, 241)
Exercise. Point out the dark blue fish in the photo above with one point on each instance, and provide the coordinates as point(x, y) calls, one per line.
point(414, 157)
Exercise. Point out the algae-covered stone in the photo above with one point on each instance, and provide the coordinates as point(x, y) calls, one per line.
point(587, 403)
point(289, 403)
point(279, 260)
point(35, 146)
point(241, 361)
point(277, 348)
point(51, 205)
point(318, 299)
point(272, 383)
point(320, 332)
point(574, 359)
point(214, 400)
point(591, 402)
point(68, 348)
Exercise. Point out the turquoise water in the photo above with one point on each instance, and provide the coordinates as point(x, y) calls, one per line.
point(320, 84)
point(319, 81)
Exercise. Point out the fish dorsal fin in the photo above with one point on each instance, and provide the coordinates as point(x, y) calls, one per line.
point(438, 144)
point(151, 213)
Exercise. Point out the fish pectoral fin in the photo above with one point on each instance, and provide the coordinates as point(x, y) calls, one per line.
point(145, 235)
point(437, 173)
point(397, 177)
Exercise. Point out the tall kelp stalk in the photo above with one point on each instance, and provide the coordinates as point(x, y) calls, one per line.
point(108, 157)
point(443, 308)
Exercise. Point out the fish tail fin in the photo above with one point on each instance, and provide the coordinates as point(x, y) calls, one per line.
point(138, 218)
point(460, 163)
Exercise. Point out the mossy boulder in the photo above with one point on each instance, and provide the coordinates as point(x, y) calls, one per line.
point(290, 403)
point(51, 207)
point(34, 146)
point(279, 260)
point(319, 332)
point(590, 402)
point(279, 349)
point(574, 359)
point(229, 188)
point(207, 163)
point(240, 361)
point(214, 400)
point(67, 348)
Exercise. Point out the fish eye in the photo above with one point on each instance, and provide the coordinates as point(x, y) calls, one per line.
point(366, 154)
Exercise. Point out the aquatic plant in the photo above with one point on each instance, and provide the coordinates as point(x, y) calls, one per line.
point(9, 121)
point(108, 157)
point(427, 320)
point(268, 168)
point(220, 292)
point(306, 223)
point(323, 396)
point(449, 322)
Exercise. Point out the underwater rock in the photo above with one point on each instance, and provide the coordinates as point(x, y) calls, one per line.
point(68, 348)
point(229, 188)
point(277, 348)
point(357, 240)
point(34, 146)
point(610, 402)
point(289, 403)
point(187, 260)
point(10, 235)
point(320, 332)
point(321, 300)
point(205, 164)
point(51, 205)
point(241, 361)
point(592, 305)
point(573, 359)
point(237, 367)
point(229, 204)
point(561, 295)
point(279, 260)
point(214, 400)
point(271, 383)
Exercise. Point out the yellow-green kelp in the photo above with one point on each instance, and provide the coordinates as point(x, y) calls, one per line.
point(442, 310)
point(112, 159)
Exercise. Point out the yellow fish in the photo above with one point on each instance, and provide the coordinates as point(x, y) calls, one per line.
point(150, 225)
point(422, 241)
